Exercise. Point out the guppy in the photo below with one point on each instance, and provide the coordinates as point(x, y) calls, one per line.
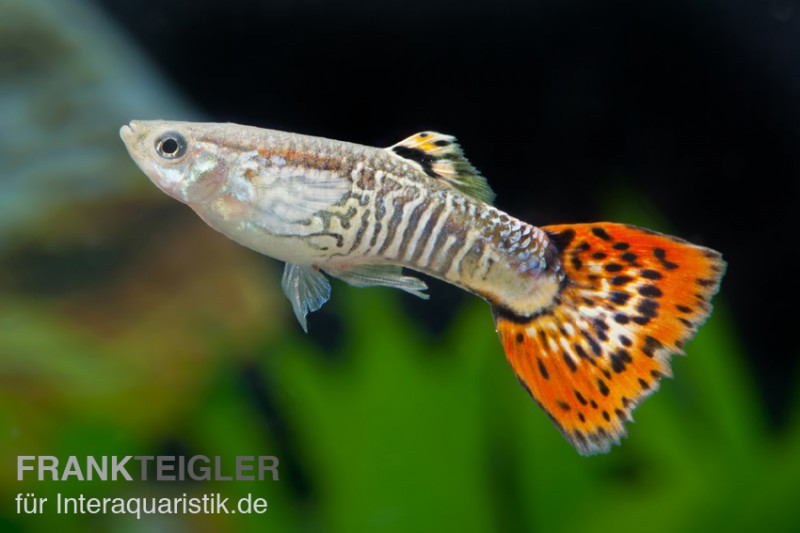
point(588, 314)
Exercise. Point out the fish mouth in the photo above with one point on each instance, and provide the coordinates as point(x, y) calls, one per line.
point(127, 132)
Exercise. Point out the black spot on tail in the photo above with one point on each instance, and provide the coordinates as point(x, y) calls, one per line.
point(619, 360)
point(648, 308)
point(562, 239)
point(651, 274)
point(620, 298)
point(498, 311)
point(602, 234)
point(593, 345)
point(661, 255)
point(580, 397)
point(570, 363)
point(543, 369)
point(580, 351)
point(620, 280)
point(650, 291)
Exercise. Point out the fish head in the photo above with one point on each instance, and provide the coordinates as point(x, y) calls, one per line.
point(178, 157)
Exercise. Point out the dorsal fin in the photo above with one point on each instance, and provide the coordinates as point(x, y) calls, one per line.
point(440, 156)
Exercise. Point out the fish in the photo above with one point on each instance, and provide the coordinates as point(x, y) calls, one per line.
point(588, 314)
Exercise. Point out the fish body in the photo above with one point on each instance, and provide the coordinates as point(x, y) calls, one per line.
point(588, 314)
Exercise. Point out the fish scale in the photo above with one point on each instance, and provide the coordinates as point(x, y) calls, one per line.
point(395, 192)
point(454, 225)
point(588, 314)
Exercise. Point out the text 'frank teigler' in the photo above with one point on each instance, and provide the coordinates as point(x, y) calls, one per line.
point(147, 468)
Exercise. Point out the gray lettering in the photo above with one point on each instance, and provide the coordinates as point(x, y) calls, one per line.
point(263, 467)
point(21, 466)
point(52, 467)
point(204, 470)
point(144, 459)
point(93, 467)
point(118, 467)
point(164, 464)
point(242, 466)
point(218, 470)
point(73, 468)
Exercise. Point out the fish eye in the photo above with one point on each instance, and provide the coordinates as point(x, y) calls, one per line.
point(171, 145)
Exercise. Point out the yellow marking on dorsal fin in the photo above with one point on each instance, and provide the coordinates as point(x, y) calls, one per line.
point(440, 156)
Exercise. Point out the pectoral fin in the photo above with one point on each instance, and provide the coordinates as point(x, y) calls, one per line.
point(381, 276)
point(306, 288)
point(287, 195)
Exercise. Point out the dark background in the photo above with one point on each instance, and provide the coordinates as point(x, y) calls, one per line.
point(562, 105)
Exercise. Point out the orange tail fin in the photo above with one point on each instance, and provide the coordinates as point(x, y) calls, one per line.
point(631, 298)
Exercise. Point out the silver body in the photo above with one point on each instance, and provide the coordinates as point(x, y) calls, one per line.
point(353, 211)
